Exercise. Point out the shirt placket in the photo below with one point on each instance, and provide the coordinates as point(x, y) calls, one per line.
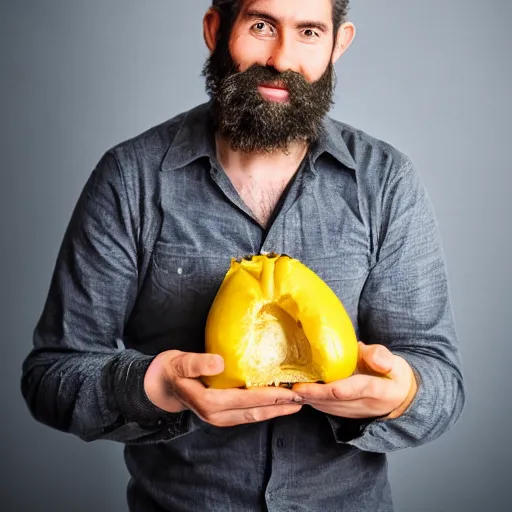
point(273, 238)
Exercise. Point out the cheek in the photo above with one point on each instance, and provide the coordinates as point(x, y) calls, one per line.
point(315, 65)
point(245, 55)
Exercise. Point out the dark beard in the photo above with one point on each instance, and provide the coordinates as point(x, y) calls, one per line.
point(253, 124)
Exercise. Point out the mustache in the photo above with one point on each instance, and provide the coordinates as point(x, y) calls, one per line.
point(248, 80)
point(257, 71)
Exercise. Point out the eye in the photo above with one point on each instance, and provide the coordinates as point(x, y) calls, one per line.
point(310, 33)
point(262, 28)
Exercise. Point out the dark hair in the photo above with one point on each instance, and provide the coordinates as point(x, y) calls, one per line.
point(229, 10)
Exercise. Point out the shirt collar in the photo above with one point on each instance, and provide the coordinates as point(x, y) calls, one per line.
point(195, 139)
point(330, 140)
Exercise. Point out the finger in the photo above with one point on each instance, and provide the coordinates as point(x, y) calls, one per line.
point(375, 358)
point(191, 392)
point(355, 409)
point(253, 397)
point(234, 417)
point(310, 391)
point(191, 366)
point(226, 399)
point(355, 387)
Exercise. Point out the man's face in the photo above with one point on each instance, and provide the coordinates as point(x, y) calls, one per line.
point(272, 81)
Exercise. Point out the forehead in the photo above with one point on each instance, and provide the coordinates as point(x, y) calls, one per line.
point(291, 10)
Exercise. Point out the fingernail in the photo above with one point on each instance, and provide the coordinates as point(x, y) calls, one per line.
point(298, 399)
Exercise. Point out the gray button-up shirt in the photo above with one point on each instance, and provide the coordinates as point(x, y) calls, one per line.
point(145, 252)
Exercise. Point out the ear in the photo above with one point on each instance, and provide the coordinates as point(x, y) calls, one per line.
point(344, 38)
point(211, 24)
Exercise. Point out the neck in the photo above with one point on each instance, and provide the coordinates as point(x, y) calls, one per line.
point(264, 163)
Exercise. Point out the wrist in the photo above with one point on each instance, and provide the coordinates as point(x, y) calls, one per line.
point(156, 386)
point(125, 380)
point(413, 389)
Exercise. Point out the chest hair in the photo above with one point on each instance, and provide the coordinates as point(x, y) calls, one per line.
point(261, 199)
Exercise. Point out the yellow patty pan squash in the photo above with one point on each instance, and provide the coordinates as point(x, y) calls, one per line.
point(275, 322)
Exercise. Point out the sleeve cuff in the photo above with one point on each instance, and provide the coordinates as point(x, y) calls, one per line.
point(348, 429)
point(126, 383)
point(381, 434)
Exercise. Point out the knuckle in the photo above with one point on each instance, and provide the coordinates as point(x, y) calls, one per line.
point(169, 356)
point(178, 365)
point(172, 354)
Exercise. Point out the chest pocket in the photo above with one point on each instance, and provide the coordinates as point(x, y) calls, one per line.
point(184, 284)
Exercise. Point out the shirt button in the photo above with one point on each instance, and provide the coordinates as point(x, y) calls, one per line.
point(179, 271)
point(280, 442)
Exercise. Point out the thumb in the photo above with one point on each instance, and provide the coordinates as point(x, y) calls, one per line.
point(191, 365)
point(376, 358)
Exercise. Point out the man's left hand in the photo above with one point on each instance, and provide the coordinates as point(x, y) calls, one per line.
point(382, 385)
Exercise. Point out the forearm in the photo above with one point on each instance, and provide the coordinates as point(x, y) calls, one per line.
point(96, 396)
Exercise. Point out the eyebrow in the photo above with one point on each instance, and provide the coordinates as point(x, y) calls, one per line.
point(252, 14)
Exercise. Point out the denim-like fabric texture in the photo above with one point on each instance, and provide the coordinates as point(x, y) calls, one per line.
point(144, 254)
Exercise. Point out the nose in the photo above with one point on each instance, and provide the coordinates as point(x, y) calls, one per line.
point(282, 57)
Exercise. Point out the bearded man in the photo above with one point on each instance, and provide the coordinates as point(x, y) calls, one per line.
point(119, 350)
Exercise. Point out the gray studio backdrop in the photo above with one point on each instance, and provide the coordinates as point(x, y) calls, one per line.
point(432, 77)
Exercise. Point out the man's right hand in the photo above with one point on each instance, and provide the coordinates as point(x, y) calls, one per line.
point(172, 384)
